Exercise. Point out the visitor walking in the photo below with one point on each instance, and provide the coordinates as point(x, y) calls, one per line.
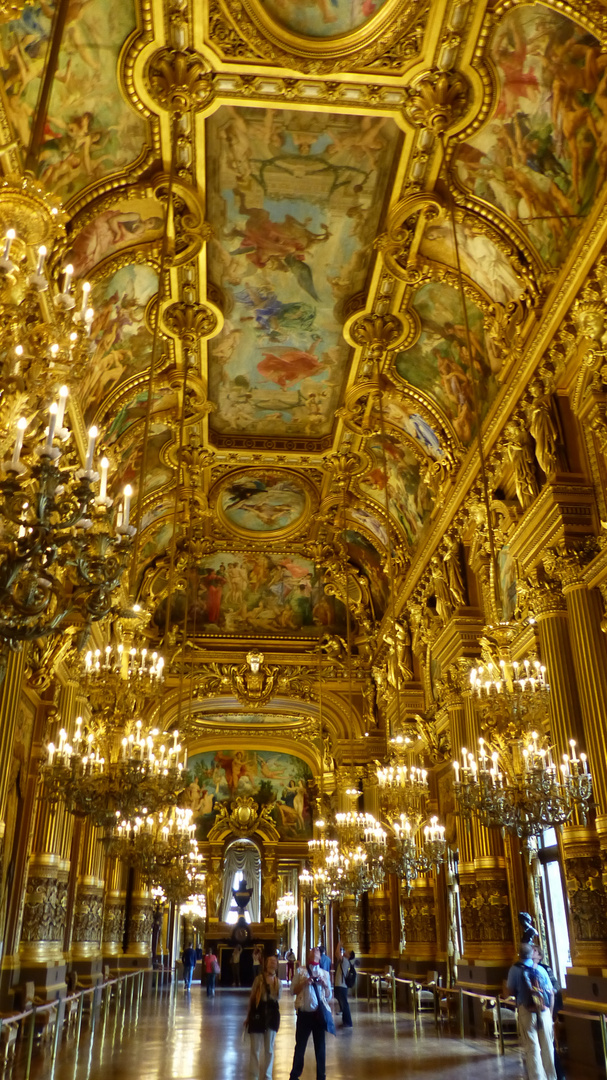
point(188, 959)
point(212, 969)
point(235, 965)
point(263, 1020)
point(291, 961)
point(257, 961)
point(342, 977)
point(538, 959)
point(534, 995)
point(312, 989)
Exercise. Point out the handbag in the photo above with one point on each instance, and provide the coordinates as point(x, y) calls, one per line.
point(272, 1014)
point(215, 968)
point(324, 1011)
point(257, 1018)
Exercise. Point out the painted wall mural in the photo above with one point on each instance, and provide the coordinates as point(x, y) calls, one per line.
point(543, 156)
point(294, 200)
point(25, 44)
point(281, 779)
point(322, 18)
point(264, 501)
point(407, 418)
point(127, 222)
point(90, 129)
point(237, 593)
point(228, 718)
point(121, 342)
point(410, 499)
point(507, 581)
point(480, 257)
point(439, 363)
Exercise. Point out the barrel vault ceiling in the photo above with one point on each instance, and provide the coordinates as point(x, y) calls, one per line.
point(328, 163)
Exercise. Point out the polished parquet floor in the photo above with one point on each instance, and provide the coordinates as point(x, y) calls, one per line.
point(181, 1036)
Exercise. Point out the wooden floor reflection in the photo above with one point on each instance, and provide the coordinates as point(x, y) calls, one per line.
point(187, 1036)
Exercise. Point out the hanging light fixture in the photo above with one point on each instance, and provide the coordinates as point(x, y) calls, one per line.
point(286, 907)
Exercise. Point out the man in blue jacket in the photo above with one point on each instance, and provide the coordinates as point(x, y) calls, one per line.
point(532, 988)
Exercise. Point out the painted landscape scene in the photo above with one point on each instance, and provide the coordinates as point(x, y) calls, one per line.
point(281, 780)
point(294, 200)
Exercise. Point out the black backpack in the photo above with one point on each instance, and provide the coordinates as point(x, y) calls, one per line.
point(350, 979)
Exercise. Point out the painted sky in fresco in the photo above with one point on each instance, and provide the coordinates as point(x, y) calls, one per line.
point(541, 159)
point(264, 501)
point(268, 777)
point(294, 200)
point(322, 18)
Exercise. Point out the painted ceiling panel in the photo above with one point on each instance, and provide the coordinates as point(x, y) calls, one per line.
point(24, 47)
point(322, 18)
point(541, 159)
point(294, 200)
point(410, 499)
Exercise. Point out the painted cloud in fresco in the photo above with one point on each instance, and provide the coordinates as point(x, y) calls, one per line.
point(295, 201)
point(543, 156)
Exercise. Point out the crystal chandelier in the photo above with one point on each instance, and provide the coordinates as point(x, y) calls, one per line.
point(402, 790)
point(286, 908)
point(410, 859)
point(513, 783)
point(62, 549)
point(103, 777)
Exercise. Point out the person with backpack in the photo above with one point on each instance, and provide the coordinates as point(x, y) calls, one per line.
point(538, 960)
point(212, 968)
point(532, 989)
point(345, 977)
point(263, 1020)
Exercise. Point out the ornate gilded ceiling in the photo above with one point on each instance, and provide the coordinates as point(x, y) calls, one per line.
point(327, 164)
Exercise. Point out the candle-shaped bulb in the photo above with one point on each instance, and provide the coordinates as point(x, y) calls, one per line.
point(52, 423)
point(63, 393)
point(128, 491)
point(8, 239)
point(86, 288)
point(21, 426)
point(41, 258)
point(103, 485)
point(67, 278)
point(93, 433)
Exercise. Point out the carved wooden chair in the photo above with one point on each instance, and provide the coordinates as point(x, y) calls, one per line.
point(507, 1014)
point(424, 992)
point(44, 1022)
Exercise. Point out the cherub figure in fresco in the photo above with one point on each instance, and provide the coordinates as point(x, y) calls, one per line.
point(278, 245)
point(69, 151)
point(111, 229)
point(272, 316)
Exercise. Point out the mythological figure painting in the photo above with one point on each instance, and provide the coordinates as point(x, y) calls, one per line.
point(90, 129)
point(120, 340)
point(410, 500)
point(294, 200)
point(406, 417)
point(543, 157)
point(129, 222)
point(507, 579)
point(272, 779)
point(264, 501)
point(322, 18)
point(237, 593)
point(480, 257)
point(227, 718)
point(440, 363)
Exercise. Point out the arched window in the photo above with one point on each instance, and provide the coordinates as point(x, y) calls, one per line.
point(241, 862)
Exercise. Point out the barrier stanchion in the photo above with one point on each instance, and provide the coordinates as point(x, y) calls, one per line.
point(79, 1020)
point(58, 1029)
point(461, 1014)
point(603, 1022)
point(500, 1030)
point(368, 988)
point(30, 1043)
point(393, 977)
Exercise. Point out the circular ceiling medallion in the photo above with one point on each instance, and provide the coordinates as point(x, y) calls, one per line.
point(261, 502)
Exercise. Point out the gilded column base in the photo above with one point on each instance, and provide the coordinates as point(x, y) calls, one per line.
point(380, 926)
point(44, 910)
point(348, 921)
point(88, 920)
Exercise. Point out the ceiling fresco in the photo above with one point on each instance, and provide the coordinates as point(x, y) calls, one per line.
point(321, 18)
point(294, 200)
point(541, 158)
point(291, 152)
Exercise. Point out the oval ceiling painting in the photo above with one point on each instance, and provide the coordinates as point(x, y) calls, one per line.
point(270, 501)
point(322, 18)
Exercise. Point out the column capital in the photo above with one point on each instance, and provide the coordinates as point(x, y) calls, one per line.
point(567, 563)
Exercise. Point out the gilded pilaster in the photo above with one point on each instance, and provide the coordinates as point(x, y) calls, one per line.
point(140, 920)
point(549, 607)
point(419, 923)
point(88, 907)
point(10, 693)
